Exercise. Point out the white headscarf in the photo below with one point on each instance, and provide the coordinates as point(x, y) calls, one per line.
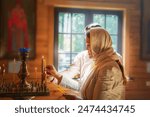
point(103, 53)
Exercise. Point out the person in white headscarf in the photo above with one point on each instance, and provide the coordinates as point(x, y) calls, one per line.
point(104, 78)
point(80, 64)
point(77, 69)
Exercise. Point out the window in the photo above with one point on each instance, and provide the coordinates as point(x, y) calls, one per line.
point(69, 32)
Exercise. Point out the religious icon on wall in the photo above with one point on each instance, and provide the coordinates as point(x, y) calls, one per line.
point(17, 29)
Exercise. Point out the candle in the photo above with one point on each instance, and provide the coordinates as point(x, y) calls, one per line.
point(14, 69)
point(43, 64)
point(35, 72)
point(14, 65)
point(3, 72)
point(0, 70)
point(43, 69)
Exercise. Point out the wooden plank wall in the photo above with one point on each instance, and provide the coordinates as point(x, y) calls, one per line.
point(136, 68)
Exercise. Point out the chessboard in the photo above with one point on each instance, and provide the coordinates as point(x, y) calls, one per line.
point(12, 90)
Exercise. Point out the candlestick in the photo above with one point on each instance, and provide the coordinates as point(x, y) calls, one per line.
point(23, 72)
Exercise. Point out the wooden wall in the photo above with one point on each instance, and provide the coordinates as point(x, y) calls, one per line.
point(135, 67)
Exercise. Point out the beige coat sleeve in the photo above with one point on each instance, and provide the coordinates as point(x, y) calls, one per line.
point(109, 84)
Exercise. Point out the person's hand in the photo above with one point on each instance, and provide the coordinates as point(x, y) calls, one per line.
point(50, 70)
point(52, 79)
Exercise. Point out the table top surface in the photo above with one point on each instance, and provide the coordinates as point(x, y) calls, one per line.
point(56, 93)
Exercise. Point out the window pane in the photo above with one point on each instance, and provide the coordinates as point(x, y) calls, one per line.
point(77, 43)
point(112, 24)
point(63, 61)
point(73, 56)
point(115, 42)
point(64, 22)
point(62, 67)
point(78, 22)
point(64, 43)
point(100, 19)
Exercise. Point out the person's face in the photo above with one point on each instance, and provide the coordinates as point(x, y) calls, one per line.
point(88, 47)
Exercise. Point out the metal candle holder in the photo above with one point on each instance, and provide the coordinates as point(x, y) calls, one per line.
point(23, 73)
point(23, 89)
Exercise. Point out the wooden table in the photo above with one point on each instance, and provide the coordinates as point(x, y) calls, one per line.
point(55, 93)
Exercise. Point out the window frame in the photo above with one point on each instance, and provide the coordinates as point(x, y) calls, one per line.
point(88, 13)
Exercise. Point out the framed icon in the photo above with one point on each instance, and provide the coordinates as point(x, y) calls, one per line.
point(17, 27)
